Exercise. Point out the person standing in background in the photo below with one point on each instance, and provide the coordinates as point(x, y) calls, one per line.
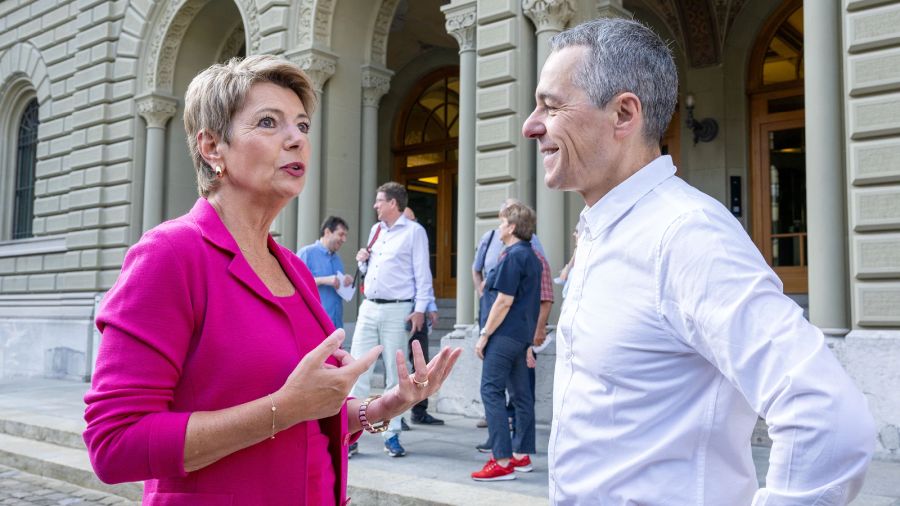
point(325, 264)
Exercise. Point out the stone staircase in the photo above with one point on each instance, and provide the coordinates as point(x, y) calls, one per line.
point(34, 438)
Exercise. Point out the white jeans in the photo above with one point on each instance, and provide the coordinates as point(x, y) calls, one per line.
point(383, 324)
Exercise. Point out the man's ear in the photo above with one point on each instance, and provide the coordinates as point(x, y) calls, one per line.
point(629, 114)
point(209, 145)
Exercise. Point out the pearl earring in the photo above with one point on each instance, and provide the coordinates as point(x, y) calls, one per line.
point(219, 172)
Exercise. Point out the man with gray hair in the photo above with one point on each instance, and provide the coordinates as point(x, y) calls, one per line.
point(675, 334)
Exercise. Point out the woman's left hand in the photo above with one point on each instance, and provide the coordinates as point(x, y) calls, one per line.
point(421, 384)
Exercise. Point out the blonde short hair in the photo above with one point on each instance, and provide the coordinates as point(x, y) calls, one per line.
point(218, 93)
point(520, 215)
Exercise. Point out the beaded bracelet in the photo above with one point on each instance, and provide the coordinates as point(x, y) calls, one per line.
point(273, 415)
point(364, 422)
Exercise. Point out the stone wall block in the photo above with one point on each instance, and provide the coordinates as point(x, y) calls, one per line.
point(496, 133)
point(33, 263)
point(493, 10)
point(90, 259)
point(51, 129)
point(63, 69)
point(119, 194)
point(112, 257)
point(878, 304)
point(43, 39)
point(106, 52)
point(76, 179)
point(7, 265)
point(85, 197)
point(95, 34)
point(496, 69)
point(7, 38)
point(114, 215)
point(55, 17)
point(40, 7)
point(273, 43)
point(118, 152)
point(18, 16)
point(123, 89)
point(116, 173)
point(117, 236)
point(129, 45)
point(489, 197)
point(79, 280)
point(94, 74)
point(39, 226)
point(41, 282)
point(99, 93)
point(272, 20)
point(85, 157)
point(81, 239)
point(15, 284)
point(106, 11)
point(496, 166)
point(498, 36)
point(57, 185)
point(55, 53)
point(88, 116)
point(53, 261)
point(873, 28)
point(72, 260)
point(83, 20)
point(56, 224)
point(48, 167)
point(875, 162)
point(89, 217)
point(264, 5)
point(496, 100)
point(124, 66)
point(75, 219)
point(877, 116)
point(120, 110)
point(878, 257)
point(46, 205)
point(28, 29)
point(871, 73)
point(58, 146)
point(119, 131)
point(876, 209)
point(93, 176)
point(107, 278)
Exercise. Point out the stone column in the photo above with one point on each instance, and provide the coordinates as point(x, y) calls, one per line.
point(549, 17)
point(156, 111)
point(612, 9)
point(302, 218)
point(825, 202)
point(461, 25)
point(376, 81)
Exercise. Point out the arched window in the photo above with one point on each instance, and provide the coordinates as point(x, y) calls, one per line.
point(26, 159)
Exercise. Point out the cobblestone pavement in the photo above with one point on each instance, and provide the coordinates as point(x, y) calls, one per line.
point(22, 489)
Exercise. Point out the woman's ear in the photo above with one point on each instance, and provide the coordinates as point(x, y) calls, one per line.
point(209, 146)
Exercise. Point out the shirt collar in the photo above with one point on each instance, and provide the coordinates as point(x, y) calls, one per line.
point(401, 221)
point(323, 248)
point(625, 195)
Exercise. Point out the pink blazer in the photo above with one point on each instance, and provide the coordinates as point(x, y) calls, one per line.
point(189, 326)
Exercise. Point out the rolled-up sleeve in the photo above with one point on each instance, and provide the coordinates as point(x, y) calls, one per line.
point(421, 269)
point(732, 311)
point(146, 321)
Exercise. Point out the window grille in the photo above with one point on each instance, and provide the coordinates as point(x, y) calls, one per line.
point(26, 158)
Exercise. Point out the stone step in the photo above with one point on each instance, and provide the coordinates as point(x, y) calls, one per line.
point(59, 462)
point(48, 429)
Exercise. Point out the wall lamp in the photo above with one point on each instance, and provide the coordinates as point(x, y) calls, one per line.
point(704, 130)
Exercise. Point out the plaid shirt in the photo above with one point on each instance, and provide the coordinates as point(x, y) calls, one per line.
point(546, 280)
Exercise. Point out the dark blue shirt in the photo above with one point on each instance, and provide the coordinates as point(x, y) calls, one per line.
point(322, 262)
point(519, 275)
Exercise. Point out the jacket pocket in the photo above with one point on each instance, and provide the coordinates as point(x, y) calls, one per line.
point(182, 499)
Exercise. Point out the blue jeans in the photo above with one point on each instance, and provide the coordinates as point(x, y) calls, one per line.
point(504, 368)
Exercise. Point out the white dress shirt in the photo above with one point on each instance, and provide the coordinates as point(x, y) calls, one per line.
point(398, 267)
point(674, 335)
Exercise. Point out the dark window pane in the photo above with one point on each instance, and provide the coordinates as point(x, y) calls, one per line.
point(26, 160)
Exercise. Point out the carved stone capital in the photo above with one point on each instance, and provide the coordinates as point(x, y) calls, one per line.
point(612, 9)
point(156, 109)
point(376, 81)
point(549, 14)
point(460, 24)
point(318, 64)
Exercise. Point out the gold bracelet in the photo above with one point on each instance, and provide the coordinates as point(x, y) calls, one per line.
point(273, 415)
point(364, 422)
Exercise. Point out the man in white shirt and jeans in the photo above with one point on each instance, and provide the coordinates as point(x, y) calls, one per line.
point(397, 289)
point(675, 334)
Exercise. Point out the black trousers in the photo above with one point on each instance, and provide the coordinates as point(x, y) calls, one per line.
point(419, 409)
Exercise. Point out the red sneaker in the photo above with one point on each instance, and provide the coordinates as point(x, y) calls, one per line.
point(493, 471)
point(522, 465)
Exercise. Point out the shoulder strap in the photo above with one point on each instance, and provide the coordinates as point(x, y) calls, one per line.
point(374, 237)
point(487, 246)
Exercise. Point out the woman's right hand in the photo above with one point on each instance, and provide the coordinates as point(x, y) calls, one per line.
point(315, 389)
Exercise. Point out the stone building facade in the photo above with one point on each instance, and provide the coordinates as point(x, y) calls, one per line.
point(805, 95)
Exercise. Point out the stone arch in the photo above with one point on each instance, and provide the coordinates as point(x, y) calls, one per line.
point(311, 22)
point(23, 77)
point(376, 50)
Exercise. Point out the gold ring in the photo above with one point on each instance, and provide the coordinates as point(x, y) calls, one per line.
point(420, 384)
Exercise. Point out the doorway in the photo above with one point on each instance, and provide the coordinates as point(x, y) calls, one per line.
point(425, 161)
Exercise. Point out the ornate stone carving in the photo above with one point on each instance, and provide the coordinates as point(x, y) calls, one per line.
point(380, 32)
point(314, 28)
point(319, 65)
point(612, 9)
point(548, 14)
point(700, 27)
point(376, 81)
point(233, 43)
point(461, 24)
point(156, 109)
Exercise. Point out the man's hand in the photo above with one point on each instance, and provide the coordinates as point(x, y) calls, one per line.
point(434, 318)
point(362, 255)
point(529, 358)
point(540, 335)
point(348, 280)
point(335, 282)
point(416, 320)
point(480, 345)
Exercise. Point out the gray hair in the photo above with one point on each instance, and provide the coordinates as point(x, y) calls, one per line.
point(625, 56)
point(218, 93)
